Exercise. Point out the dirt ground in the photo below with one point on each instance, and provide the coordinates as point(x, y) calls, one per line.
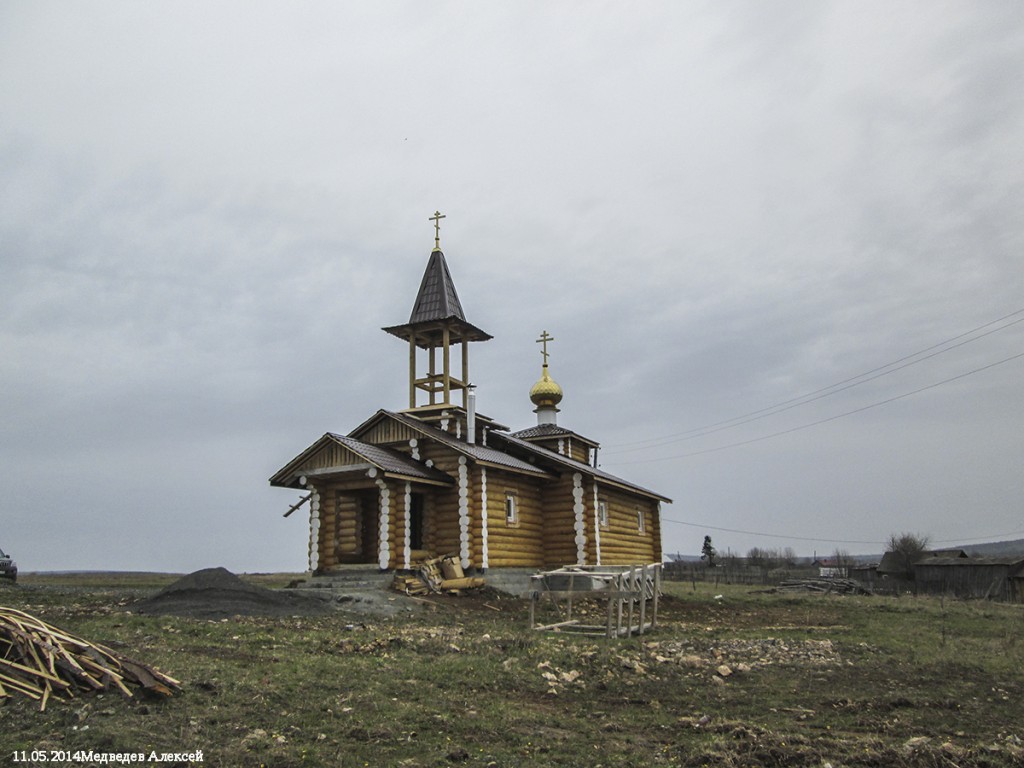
point(214, 593)
point(277, 677)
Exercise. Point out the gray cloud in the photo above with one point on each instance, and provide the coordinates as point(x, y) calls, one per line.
point(208, 212)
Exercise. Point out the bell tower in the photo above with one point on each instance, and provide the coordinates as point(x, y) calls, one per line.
point(438, 326)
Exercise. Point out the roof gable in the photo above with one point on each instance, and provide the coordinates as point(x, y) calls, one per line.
point(480, 453)
point(341, 455)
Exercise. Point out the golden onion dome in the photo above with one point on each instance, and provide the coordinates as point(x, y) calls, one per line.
point(546, 391)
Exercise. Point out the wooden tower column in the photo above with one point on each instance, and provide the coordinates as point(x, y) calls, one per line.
point(412, 370)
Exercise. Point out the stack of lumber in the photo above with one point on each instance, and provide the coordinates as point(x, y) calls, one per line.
point(430, 571)
point(436, 574)
point(828, 586)
point(39, 661)
point(410, 584)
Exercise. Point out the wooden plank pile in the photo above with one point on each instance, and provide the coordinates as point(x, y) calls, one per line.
point(39, 661)
point(436, 574)
point(825, 586)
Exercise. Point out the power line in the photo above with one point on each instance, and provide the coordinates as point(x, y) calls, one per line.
point(979, 538)
point(826, 420)
point(769, 535)
point(831, 541)
point(819, 394)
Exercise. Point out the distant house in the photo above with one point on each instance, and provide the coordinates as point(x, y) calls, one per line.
point(897, 565)
point(991, 578)
point(865, 573)
point(830, 568)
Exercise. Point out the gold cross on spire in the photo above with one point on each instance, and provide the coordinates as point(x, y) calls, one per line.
point(436, 218)
point(545, 337)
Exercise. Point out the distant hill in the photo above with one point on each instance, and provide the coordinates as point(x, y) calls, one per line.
point(995, 549)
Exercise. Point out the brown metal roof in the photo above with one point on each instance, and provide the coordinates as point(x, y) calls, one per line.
point(551, 430)
point(391, 461)
point(480, 453)
point(542, 430)
point(437, 307)
point(437, 298)
point(578, 466)
point(505, 459)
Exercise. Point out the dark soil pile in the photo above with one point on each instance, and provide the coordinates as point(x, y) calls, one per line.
point(216, 593)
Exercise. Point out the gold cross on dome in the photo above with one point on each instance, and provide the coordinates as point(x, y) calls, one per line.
point(436, 218)
point(545, 337)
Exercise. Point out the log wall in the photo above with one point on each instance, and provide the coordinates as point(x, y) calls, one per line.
point(328, 519)
point(520, 544)
point(545, 534)
point(621, 542)
point(559, 520)
point(347, 532)
point(578, 450)
point(566, 446)
point(441, 512)
point(348, 529)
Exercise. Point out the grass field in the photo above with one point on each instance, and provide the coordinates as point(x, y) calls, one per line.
point(730, 678)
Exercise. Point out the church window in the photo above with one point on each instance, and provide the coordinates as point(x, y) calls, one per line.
point(511, 509)
point(602, 513)
point(640, 522)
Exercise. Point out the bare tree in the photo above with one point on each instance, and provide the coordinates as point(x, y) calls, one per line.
point(908, 547)
point(755, 557)
point(766, 559)
point(789, 557)
point(842, 561)
point(910, 544)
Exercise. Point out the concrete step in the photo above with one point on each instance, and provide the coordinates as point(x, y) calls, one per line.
point(349, 578)
point(514, 581)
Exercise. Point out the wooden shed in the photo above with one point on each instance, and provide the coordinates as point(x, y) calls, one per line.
point(440, 478)
point(992, 578)
point(900, 566)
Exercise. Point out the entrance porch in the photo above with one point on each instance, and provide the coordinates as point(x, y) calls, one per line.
point(380, 527)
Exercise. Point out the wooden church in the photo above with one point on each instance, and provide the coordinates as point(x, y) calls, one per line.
point(439, 478)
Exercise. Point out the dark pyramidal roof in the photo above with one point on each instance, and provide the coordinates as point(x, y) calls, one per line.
point(437, 303)
point(437, 298)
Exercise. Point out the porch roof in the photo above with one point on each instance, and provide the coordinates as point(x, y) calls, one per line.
point(389, 462)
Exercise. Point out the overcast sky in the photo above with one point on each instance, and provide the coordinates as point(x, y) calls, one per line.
point(720, 210)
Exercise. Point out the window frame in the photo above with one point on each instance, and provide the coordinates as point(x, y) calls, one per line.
point(511, 509)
